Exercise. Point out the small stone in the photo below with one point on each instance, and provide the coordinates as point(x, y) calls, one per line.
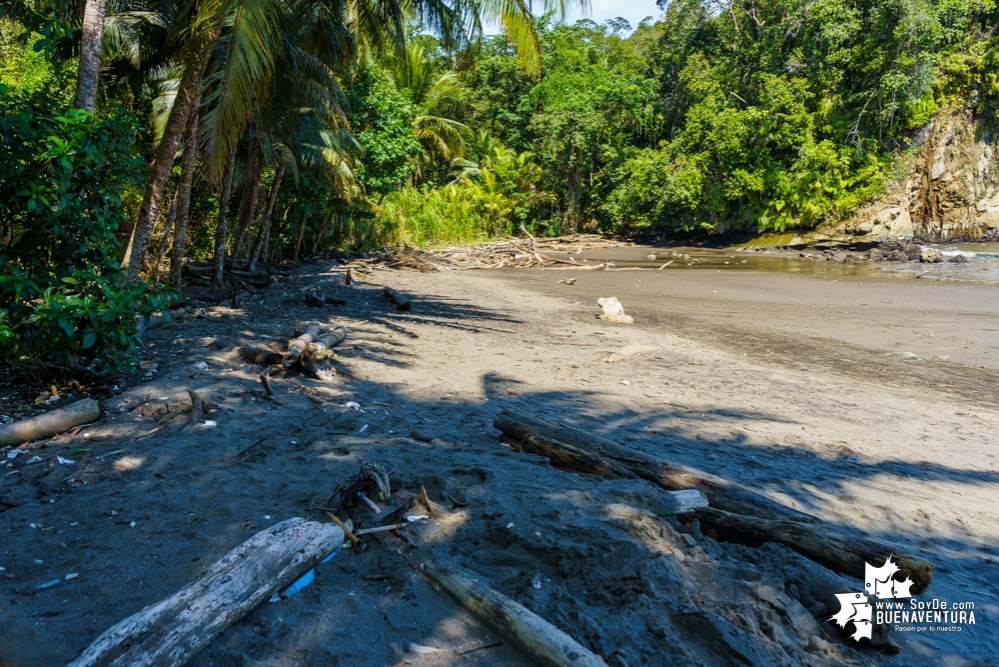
point(72, 575)
point(651, 257)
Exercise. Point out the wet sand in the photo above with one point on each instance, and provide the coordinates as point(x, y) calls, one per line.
point(781, 382)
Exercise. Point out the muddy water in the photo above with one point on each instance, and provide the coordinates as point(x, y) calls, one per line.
point(982, 266)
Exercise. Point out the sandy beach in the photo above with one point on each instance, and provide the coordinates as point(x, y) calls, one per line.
point(797, 386)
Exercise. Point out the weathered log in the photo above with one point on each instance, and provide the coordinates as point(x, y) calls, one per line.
point(261, 356)
point(573, 458)
point(307, 331)
point(50, 423)
point(540, 641)
point(721, 494)
point(169, 632)
point(827, 545)
point(317, 358)
point(398, 300)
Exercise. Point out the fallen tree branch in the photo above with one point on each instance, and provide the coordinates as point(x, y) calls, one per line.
point(735, 500)
point(539, 640)
point(398, 300)
point(50, 423)
point(169, 632)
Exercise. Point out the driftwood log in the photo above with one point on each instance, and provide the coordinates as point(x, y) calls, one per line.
point(50, 423)
point(536, 638)
point(318, 356)
point(566, 456)
point(169, 632)
point(306, 332)
point(398, 300)
point(761, 519)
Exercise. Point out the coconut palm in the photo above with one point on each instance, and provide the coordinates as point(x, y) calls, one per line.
point(231, 47)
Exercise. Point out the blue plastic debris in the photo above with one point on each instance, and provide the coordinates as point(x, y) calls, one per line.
point(299, 583)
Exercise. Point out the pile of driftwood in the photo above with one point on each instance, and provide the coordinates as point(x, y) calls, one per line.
point(311, 349)
point(511, 252)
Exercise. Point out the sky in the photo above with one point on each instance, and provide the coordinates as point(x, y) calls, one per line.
point(601, 10)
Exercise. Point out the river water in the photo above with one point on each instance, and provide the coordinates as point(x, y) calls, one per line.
point(982, 266)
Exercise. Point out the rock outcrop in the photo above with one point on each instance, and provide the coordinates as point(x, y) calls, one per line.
point(950, 190)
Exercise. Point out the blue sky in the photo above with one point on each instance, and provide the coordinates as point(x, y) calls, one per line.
point(601, 10)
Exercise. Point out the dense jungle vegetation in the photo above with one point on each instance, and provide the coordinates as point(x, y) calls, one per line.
point(140, 133)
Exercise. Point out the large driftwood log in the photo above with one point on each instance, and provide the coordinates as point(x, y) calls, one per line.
point(398, 300)
point(169, 632)
point(721, 493)
point(536, 638)
point(797, 530)
point(50, 423)
point(307, 332)
point(573, 458)
point(837, 549)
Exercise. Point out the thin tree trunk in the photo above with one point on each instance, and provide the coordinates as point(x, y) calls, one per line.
point(322, 232)
point(90, 54)
point(219, 263)
point(253, 169)
point(154, 260)
point(187, 163)
point(265, 221)
point(159, 170)
point(301, 237)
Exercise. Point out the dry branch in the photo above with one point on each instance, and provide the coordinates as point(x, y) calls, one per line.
point(806, 533)
point(539, 640)
point(50, 423)
point(169, 632)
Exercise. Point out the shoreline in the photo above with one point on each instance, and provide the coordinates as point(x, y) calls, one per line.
point(819, 419)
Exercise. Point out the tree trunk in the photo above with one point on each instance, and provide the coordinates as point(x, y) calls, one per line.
point(253, 170)
point(301, 237)
point(159, 170)
point(219, 263)
point(542, 643)
point(90, 54)
point(187, 163)
point(50, 423)
point(154, 260)
point(167, 633)
point(265, 221)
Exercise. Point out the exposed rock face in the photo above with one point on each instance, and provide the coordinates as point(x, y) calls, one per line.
point(950, 190)
point(931, 256)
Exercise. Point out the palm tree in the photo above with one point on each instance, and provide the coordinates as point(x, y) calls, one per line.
point(235, 44)
point(432, 95)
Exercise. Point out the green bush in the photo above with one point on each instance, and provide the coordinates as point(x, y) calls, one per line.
point(63, 300)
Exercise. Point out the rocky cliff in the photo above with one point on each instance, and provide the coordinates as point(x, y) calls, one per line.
point(950, 190)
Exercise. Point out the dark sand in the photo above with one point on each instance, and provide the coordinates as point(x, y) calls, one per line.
point(783, 382)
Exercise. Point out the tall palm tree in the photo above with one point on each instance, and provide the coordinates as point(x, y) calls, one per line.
point(433, 94)
point(235, 44)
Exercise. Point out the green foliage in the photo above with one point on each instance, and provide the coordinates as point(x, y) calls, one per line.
point(385, 117)
point(489, 198)
point(61, 185)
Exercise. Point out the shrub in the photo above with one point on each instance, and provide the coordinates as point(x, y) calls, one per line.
point(63, 300)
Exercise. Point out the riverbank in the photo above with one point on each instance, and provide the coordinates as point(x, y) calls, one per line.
point(761, 378)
